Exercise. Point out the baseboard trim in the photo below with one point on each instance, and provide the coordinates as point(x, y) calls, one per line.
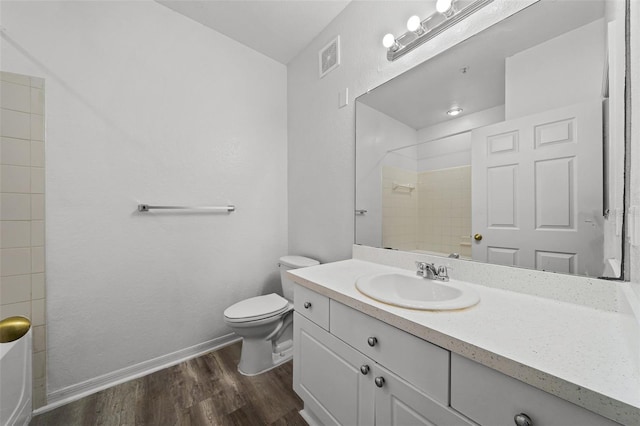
point(72, 393)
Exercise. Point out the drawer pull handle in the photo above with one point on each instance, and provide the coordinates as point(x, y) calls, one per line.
point(372, 341)
point(379, 381)
point(364, 369)
point(522, 420)
point(307, 305)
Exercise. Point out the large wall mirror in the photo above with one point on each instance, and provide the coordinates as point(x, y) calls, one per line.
point(507, 148)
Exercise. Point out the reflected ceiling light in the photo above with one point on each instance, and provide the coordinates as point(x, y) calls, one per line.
point(446, 15)
point(454, 111)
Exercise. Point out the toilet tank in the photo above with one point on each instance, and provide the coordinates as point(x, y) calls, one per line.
point(292, 262)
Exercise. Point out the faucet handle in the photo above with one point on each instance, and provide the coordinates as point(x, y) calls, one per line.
point(442, 273)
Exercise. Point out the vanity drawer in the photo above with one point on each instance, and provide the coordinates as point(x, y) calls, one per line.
point(312, 305)
point(491, 398)
point(424, 365)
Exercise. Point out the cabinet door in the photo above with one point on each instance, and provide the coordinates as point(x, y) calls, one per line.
point(509, 397)
point(327, 376)
point(399, 403)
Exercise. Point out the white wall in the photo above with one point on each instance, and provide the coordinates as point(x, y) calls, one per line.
point(634, 160)
point(321, 135)
point(444, 153)
point(145, 105)
point(377, 134)
point(562, 71)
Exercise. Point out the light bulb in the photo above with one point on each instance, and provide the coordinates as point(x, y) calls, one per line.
point(454, 111)
point(444, 6)
point(388, 41)
point(414, 23)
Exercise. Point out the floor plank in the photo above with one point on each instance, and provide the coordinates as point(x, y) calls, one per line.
point(203, 391)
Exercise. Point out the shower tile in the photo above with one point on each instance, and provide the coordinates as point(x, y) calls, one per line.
point(37, 207)
point(37, 312)
point(15, 96)
point(37, 180)
point(37, 101)
point(22, 309)
point(37, 259)
point(15, 289)
point(37, 127)
point(15, 206)
point(15, 152)
point(39, 338)
point(38, 290)
point(15, 178)
point(15, 78)
point(15, 234)
point(39, 395)
point(14, 124)
point(37, 233)
point(15, 261)
point(37, 82)
point(37, 154)
point(39, 364)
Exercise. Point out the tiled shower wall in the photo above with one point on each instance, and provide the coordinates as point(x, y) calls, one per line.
point(22, 181)
point(434, 217)
point(399, 208)
point(444, 211)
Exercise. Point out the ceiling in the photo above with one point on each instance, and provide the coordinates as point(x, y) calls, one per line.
point(279, 29)
point(472, 74)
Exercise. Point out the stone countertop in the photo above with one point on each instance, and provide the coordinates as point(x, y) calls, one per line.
point(580, 354)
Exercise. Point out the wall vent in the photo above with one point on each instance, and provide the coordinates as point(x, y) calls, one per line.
point(329, 57)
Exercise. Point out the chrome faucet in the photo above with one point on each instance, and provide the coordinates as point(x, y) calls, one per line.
point(429, 270)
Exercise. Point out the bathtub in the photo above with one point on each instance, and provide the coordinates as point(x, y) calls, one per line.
point(15, 381)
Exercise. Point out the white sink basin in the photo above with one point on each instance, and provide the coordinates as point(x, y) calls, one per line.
point(414, 292)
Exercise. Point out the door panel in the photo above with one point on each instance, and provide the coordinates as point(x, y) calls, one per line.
point(537, 191)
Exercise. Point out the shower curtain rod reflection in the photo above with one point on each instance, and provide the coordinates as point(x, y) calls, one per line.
point(146, 207)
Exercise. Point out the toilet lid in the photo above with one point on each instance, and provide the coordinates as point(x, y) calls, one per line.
point(256, 308)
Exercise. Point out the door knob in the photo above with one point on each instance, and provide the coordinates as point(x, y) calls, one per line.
point(477, 237)
point(522, 420)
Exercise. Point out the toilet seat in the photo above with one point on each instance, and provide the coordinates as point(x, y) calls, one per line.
point(256, 308)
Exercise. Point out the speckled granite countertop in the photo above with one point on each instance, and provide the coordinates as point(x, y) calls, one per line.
point(580, 354)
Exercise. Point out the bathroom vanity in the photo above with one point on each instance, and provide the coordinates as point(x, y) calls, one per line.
point(501, 362)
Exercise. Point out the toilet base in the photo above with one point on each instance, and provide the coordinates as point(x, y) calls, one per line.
point(257, 356)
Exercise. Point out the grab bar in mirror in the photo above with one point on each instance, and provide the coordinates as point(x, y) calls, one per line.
point(147, 207)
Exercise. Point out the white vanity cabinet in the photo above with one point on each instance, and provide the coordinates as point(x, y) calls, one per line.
point(492, 398)
point(365, 372)
point(334, 380)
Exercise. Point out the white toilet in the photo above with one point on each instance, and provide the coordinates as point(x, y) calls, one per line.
point(265, 323)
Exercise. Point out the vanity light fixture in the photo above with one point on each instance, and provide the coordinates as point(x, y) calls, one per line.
point(414, 24)
point(445, 7)
point(419, 31)
point(454, 111)
point(390, 42)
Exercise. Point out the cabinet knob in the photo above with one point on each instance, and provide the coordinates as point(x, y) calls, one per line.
point(522, 420)
point(379, 381)
point(372, 341)
point(307, 305)
point(364, 369)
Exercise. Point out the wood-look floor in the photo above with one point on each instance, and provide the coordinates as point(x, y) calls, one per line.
point(203, 391)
